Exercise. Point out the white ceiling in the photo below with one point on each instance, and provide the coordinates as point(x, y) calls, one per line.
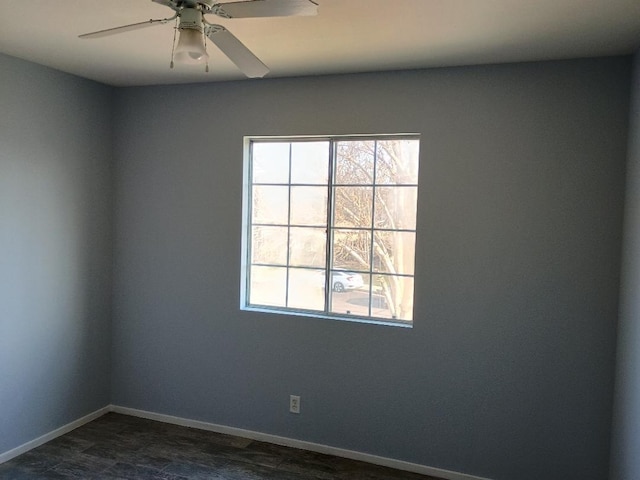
point(346, 36)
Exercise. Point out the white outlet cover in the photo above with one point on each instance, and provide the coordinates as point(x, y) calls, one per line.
point(294, 403)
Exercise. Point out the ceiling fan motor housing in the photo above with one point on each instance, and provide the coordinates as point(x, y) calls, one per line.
point(191, 19)
point(204, 5)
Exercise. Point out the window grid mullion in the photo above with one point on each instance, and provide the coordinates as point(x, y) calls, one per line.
point(373, 213)
point(315, 269)
point(280, 184)
point(249, 259)
point(286, 279)
point(328, 281)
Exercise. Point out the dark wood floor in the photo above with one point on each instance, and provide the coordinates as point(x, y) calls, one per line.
point(123, 447)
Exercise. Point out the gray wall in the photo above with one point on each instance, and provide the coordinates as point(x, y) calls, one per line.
point(55, 249)
point(625, 461)
point(508, 371)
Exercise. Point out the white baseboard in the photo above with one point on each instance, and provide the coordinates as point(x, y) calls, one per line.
point(25, 447)
point(290, 442)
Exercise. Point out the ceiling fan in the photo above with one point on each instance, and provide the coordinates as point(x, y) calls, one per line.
point(193, 27)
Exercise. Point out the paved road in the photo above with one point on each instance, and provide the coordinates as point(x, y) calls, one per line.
point(356, 302)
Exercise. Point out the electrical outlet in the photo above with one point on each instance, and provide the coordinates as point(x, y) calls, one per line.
point(294, 403)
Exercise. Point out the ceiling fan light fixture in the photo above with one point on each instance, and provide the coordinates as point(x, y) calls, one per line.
point(190, 49)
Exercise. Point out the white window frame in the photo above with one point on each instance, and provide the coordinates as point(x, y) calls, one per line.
point(247, 235)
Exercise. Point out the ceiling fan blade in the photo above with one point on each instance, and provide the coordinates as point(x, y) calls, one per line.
point(265, 8)
point(166, 3)
point(233, 48)
point(125, 28)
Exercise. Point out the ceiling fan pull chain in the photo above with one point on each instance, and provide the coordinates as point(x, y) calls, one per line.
point(204, 38)
point(173, 46)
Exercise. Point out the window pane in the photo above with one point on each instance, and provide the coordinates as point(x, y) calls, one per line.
point(350, 302)
point(394, 252)
point(354, 162)
point(270, 205)
point(352, 207)
point(308, 247)
point(310, 162)
point(392, 298)
point(269, 245)
point(270, 162)
point(349, 293)
point(397, 162)
point(268, 286)
point(396, 207)
point(309, 206)
point(305, 289)
point(351, 250)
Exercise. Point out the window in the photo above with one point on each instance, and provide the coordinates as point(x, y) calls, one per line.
point(331, 227)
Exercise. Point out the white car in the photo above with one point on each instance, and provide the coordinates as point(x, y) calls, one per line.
point(341, 281)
